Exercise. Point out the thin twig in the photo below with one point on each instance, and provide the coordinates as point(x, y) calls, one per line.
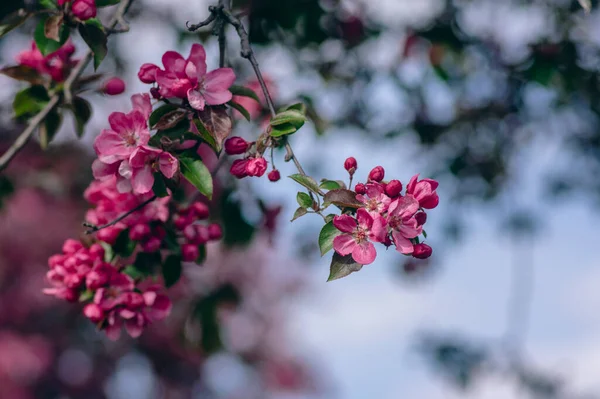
point(93, 228)
point(37, 120)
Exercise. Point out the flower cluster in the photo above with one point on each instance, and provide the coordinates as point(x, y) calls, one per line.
point(81, 9)
point(188, 79)
point(253, 163)
point(55, 65)
point(195, 235)
point(386, 216)
point(123, 150)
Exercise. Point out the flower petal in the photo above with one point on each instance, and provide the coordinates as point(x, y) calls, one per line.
point(168, 164)
point(120, 123)
point(365, 220)
point(403, 244)
point(198, 59)
point(378, 230)
point(196, 100)
point(219, 80)
point(134, 327)
point(141, 102)
point(364, 253)
point(174, 62)
point(344, 244)
point(404, 207)
point(142, 180)
point(345, 223)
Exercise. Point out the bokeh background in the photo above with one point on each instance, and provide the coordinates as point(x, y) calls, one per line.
point(498, 100)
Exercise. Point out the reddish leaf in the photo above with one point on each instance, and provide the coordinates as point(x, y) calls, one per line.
point(22, 72)
point(342, 197)
point(170, 120)
point(52, 27)
point(218, 124)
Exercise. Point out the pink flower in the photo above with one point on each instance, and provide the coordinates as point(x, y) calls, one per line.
point(84, 9)
point(187, 78)
point(55, 65)
point(422, 251)
point(424, 192)
point(401, 219)
point(239, 168)
point(356, 235)
point(256, 166)
point(376, 202)
point(143, 163)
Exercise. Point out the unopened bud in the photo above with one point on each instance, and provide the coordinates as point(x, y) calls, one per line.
point(274, 175)
point(236, 145)
point(377, 174)
point(393, 188)
point(113, 87)
point(360, 189)
point(350, 165)
point(422, 251)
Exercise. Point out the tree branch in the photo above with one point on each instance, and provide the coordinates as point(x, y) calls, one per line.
point(37, 120)
point(93, 228)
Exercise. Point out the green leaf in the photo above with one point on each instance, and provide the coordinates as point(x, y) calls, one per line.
point(146, 263)
point(292, 116)
point(343, 198)
point(124, 246)
point(329, 217)
point(240, 109)
point(49, 128)
point(23, 73)
point(300, 107)
point(206, 136)
point(424, 234)
point(307, 182)
point(198, 174)
point(82, 112)
point(104, 3)
point(342, 266)
point(109, 253)
point(326, 236)
point(331, 185)
point(30, 101)
point(48, 4)
point(159, 112)
point(304, 200)
point(94, 36)
point(46, 45)
point(159, 188)
point(133, 272)
point(86, 296)
point(201, 254)
point(244, 92)
point(171, 270)
point(236, 229)
point(217, 125)
point(283, 130)
point(13, 21)
point(299, 213)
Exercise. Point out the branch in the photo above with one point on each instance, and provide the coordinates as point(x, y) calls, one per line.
point(37, 120)
point(93, 228)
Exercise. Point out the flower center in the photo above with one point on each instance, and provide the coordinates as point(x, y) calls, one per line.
point(360, 235)
point(131, 140)
point(372, 205)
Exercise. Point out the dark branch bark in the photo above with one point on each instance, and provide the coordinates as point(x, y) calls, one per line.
point(93, 228)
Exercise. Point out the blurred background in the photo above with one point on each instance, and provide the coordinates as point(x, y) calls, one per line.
point(498, 100)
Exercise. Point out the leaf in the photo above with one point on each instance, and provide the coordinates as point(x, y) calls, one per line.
point(342, 266)
point(198, 174)
point(52, 27)
point(13, 21)
point(124, 246)
point(170, 119)
point(159, 188)
point(159, 112)
point(307, 182)
point(82, 112)
point(146, 263)
point(46, 45)
point(47, 4)
point(240, 109)
point(30, 101)
point(24, 73)
point(586, 5)
point(94, 36)
point(205, 135)
point(236, 229)
point(300, 107)
point(171, 270)
point(217, 123)
point(292, 117)
point(104, 3)
point(201, 254)
point(283, 130)
point(304, 200)
point(342, 197)
point(49, 128)
point(244, 92)
point(299, 213)
point(326, 236)
point(330, 185)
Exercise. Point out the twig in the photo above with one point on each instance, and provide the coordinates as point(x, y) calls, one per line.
point(93, 228)
point(35, 122)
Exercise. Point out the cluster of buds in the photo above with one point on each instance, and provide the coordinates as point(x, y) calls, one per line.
point(251, 164)
point(194, 236)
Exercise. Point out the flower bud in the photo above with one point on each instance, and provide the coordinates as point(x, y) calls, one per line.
point(377, 174)
point(152, 245)
point(274, 175)
point(84, 9)
point(189, 252)
point(215, 232)
point(350, 165)
point(147, 73)
point(139, 232)
point(93, 312)
point(182, 221)
point(422, 251)
point(236, 145)
point(421, 218)
point(256, 166)
point(360, 189)
point(109, 234)
point(97, 278)
point(393, 188)
point(113, 87)
point(71, 246)
point(155, 93)
point(200, 210)
point(97, 252)
point(238, 168)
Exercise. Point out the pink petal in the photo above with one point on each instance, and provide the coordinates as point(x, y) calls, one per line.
point(403, 244)
point(409, 229)
point(125, 170)
point(344, 244)
point(123, 185)
point(142, 180)
point(120, 123)
point(364, 253)
point(410, 187)
point(191, 71)
point(160, 309)
point(168, 164)
point(134, 327)
point(345, 223)
point(149, 297)
point(102, 170)
point(365, 220)
point(404, 207)
point(430, 202)
point(173, 62)
point(198, 59)
point(374, 189)
point(434, 184)
point(141, 102)
point(113, 332)
point(217, 97)
point(196, 100)
point(110, 147)
point(127, 314)
point(219, 80)
point(378, 230)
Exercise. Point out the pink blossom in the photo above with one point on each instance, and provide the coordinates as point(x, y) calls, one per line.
point(256, 166)
point(424, 191)
point(55, 65)
point(376, 202)
point(401, 219)
point(142, 165)
point(356, 235)
point(188, 79)
point(84, 9)
point(114, 293)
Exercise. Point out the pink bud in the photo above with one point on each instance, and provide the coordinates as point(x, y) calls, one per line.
point(139, 232)
point(147, 73)
point(152, 245)
point(96, 251)
point(377, 174)
point(421, 218)
point(182, 221)
point(114, 86)
point(155, 93)
point(70, 295)
point(84, 9)
point(196, 234)
point(360, 189)
point(97, 278)
point(73, 281)
point(93, 312)
point(55, 260)
point(236, 145)
point(71, 246)
point(200, 210)
point(109, 234)
point(238, 168)
point(134, 300)
point(215, 232)
point(422, 251)
point(350, 165)
point(256, 166)
point(393, 188)
point(274, 175)
point(189, 252)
